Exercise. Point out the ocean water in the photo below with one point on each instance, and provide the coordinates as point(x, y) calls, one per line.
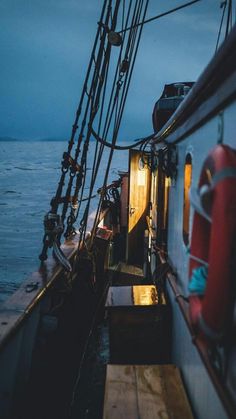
point(29, 174)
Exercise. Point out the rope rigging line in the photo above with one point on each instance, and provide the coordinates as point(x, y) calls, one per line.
point(129, 55)
point(113, 89)
point(127, 81)
point(136, 143)
point(107, 123)
point(51, 222)
point(129, 49)
point(125, 92)
point(117, 147)
point(92, 105)
point(223, 5)
point(94, 176)
point(65, 166)
point(102, 112)
point(229, 18)
point(162, 15)
point(228, 23)
point(99, 89)
point(115, 102)
point(98, 154)
point(140, 3)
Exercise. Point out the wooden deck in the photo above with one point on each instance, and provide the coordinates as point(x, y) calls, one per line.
point(145, 392)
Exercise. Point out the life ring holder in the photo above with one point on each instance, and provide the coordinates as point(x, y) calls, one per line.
point(212, 244)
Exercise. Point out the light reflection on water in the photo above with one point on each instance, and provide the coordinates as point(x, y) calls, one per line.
point(29, 174)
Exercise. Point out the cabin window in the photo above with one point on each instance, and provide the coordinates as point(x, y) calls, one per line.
point(186, 206)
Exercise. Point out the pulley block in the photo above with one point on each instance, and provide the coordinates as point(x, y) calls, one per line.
point(114, 38)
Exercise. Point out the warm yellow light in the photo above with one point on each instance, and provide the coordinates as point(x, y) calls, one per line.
point(145, 295)
point(186, 208)
point(167, 182)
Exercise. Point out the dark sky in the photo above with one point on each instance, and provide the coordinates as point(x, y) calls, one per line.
point(45, 46)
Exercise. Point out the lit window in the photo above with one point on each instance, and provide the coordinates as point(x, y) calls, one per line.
point(186, 206)
point(166, 199)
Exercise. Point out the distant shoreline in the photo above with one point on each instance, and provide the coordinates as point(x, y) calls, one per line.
point(9, 139)
point(43, 140)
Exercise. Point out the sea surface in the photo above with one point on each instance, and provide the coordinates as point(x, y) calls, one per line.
point(29, 174)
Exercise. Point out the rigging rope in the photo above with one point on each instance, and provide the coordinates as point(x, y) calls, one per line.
point(65, 166)
point(228, 24)
point(161, 15)
point(115, 133)
point(92, 104)
point(229, 18)
point(223, 4)
point(108, 118)
point(48, 239)
point(94, 100)
point(98, 154)
point(135, 144)
point(95, 109)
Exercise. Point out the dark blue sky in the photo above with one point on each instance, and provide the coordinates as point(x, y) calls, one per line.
point(45, 46)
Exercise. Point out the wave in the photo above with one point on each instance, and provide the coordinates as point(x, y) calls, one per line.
point(26, 168)
point(7, 287)
point(11, 192)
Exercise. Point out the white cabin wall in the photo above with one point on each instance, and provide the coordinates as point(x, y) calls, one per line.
point(229, 125)
point(206, 403)
point(198, 145)
point(201, 392)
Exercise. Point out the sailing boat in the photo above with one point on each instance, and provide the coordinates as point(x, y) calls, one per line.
point(132, 316)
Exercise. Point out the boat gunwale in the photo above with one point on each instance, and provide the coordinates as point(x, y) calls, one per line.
point(20, 305)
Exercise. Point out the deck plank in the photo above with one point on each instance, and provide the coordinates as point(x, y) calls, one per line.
point(151, 402)
point(175, 393)
point(145, 392)
point(120, 387)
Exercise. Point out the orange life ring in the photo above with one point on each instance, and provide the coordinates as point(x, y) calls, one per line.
point(213, 242)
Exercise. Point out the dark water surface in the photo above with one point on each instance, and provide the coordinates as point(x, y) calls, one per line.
point(29, 173)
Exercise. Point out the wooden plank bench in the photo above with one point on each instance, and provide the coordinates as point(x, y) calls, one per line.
point(145, 392)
